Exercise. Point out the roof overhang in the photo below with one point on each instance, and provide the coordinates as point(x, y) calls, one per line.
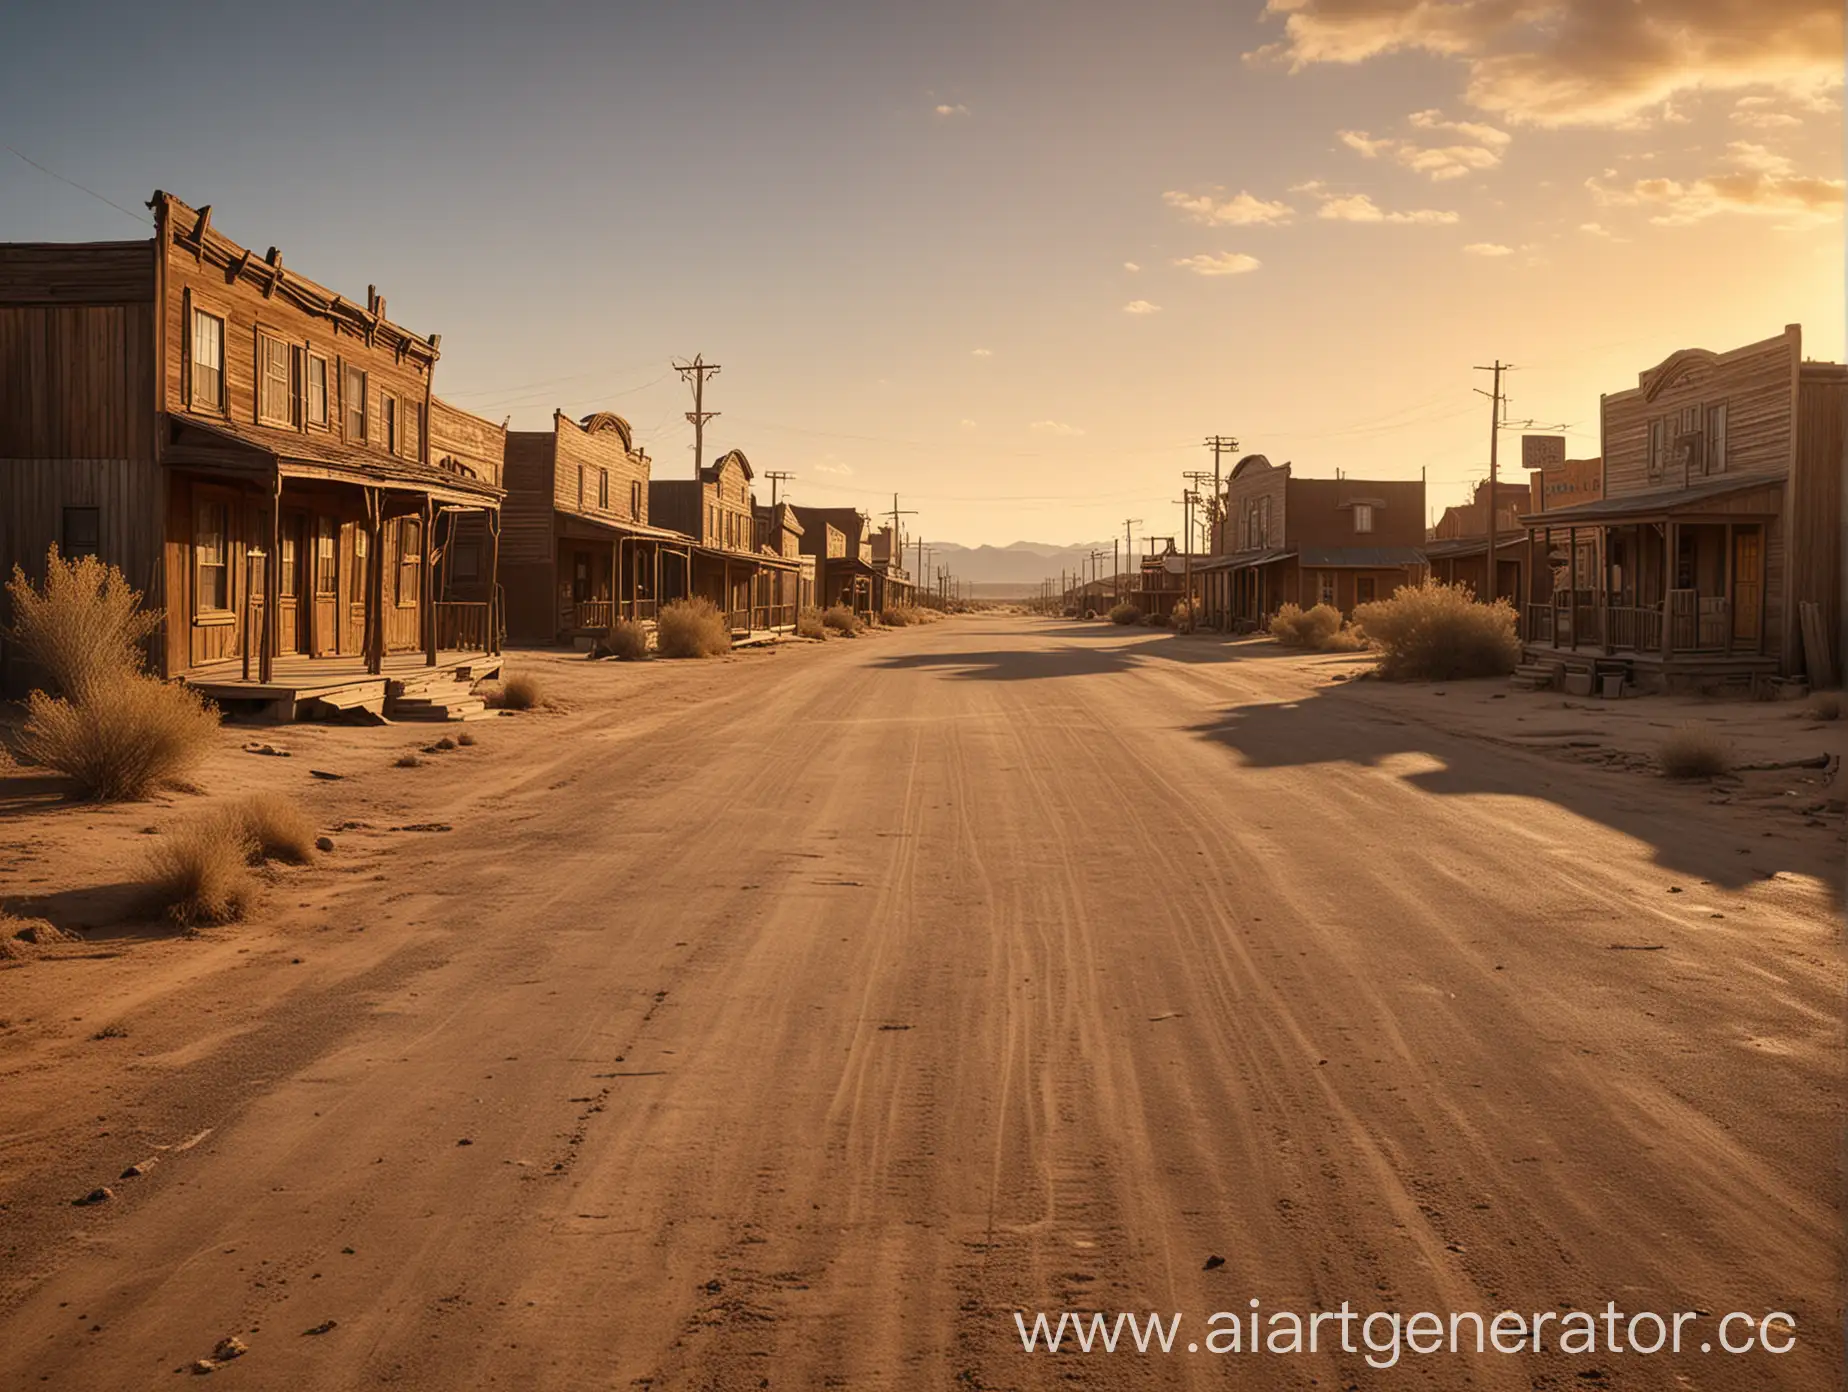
point(1662, 504)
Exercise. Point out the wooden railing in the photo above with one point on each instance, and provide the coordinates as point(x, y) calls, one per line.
point(595, 613)
point(641, 609)
point(757, 618)
point(1634, 629)
point(1540, 628)
point(462, 626)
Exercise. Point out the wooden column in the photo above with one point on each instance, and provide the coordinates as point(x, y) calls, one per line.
point(1671, 543)
point(1572, 582)
point(494, 595)
point(427, 580)
point(1729, 588)
point(375, 582)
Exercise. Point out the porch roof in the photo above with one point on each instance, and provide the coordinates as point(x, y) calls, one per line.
point(719, 553)
point(1454, 548)
point(1360, 557)
point(1238, 560)
point(580, 528)
point(1656, 502)
point(253, 451)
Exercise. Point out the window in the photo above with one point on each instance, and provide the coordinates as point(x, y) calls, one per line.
point(212, 590)
point(326, 562)
point(410, 560)
point(1716, 439)
point(1325, 587)
point(1658, 447)
point(388, 419)
point(289, 558)
point(208, 362)
point(317, 390)
point(1363, 517)
point(275, 382)
point(603, 488)
point(82, 533)
point(635, 499)
point(1264, 536)
point(580, 469)
point(1363, 589)
point(353, 389)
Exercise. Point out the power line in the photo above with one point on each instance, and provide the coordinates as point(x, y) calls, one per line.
point(138, 217)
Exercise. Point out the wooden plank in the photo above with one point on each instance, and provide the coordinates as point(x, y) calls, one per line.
point(1817, 661)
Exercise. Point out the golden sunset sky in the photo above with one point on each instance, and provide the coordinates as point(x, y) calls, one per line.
point(1012, 260)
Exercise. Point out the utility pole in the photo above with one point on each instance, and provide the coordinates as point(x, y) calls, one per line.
point(1495, 427)
point(1129, 545)
point(775, 476)
point(1186, 500)
point(1219, 444)
point(897, 551)
point(697, 372)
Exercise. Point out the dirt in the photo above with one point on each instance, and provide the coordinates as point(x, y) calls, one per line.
point(809, 1012)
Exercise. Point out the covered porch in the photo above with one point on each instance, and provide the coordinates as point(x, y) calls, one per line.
point(611, 572)
point(743, 586)
point(1683, 579)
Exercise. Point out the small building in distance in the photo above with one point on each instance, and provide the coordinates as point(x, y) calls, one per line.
point(717, 514)
point(578, 552)
point(1718, 535)
point(840, 540)
point(1458, 551)
point(893, 587)
point(1288, 540)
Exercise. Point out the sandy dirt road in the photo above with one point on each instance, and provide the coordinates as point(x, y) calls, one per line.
point(809, 1018)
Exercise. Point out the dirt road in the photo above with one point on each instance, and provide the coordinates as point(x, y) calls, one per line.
point(796, 1020)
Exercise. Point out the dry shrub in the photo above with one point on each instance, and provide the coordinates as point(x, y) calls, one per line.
point(1694, 751)
point(1125, 613)
point(1296, 627)
point(199, 872)
point(84, 626)
point(1437, 632)
point(520, 693)
point(627, 641)
point(895, 616)
point(1826, 706)
point(1156, 621)
point(123, 738)
point(465, 739)
point(278, 829)
point(843, 621)
point(408, 759)
point(692, 628)
point(1184, 614)
point(809, 624)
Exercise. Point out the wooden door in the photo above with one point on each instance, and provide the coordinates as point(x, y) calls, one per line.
point(289, 613)
point(324, 638)
point(1748, 585)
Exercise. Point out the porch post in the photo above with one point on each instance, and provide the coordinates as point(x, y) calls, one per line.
point(426, 580)
point(1572, 581)
point(494, 596)
point(1671, 543)
point(375, 582)
point(615, 579)
point(272, 586)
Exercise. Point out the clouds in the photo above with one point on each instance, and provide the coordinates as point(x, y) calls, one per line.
point(1478, 146)
point(1141, 307)
point(1053, 427)
point(1242, 210)
point(1577, 62)
point(1359, 207)
point(1223, 263)
point(1488, 249)
point(1757, 182)
point(945, 109)
point(981, 352)
point(830, 465)
point(1131, 267)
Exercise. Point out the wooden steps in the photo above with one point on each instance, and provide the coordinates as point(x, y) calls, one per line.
point(439, 698)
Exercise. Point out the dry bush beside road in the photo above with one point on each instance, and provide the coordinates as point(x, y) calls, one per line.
point(199, 872)
point(843, 621)
point(1436, 632)
point(692, 628)
point(1694, 751)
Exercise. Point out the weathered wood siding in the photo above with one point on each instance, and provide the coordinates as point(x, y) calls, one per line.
point(1253, 480)
point(585, 457)
point(680, 506)
point(1320, 512)
point(1815, 517)
point(462, 442)
point(76, 382)
point(77, 273)
point(1757, 384)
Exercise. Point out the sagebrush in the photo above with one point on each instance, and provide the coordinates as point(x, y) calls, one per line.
point(1694, 751)
point(692, 628)
point(199, 872)
point(278, 829)
point(809, 624)
point(842, 620)
point(1297, 627)
point(83, 627)
point(1438, 632)
point(122, 739)
point(1125, 613)
point(627, 641)
point(519, 693)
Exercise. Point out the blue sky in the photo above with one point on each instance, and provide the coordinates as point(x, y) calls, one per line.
point(907, 231)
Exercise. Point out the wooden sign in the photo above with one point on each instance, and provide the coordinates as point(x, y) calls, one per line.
point(1543, 451)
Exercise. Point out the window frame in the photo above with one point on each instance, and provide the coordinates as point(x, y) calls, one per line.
point(326, 578)
point(349, 371)
point(309, 359)
point(291, 387)
point(603, 490)
point(65, 547)
point(1363, 512)
point(197, 309)
point(1328, 588)
point(202, 504)
point(635, 500)
point(411, 558)
point(1713, 442)
point(391, 434)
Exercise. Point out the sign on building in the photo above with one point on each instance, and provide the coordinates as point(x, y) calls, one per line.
point(1543, 451)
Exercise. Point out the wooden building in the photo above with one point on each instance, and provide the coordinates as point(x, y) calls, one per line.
point(893, 587)
point(1288, 540)
point(262, 456)
point(717, 514)
point(1458, 551)
point(578, 551)
point(841, 542)
point(1718, 529)
point(779, 533)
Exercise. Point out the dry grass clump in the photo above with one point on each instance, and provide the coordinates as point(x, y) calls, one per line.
point(277, 828)
point(809, 624)
point(843, 621)
point(1437, 632)
point(118, 732)
point(122, 739)
point(692, 628)
point(895, 616)
point(1184, 614)
point(1694, 751)
point(84, 626)
point(627, 641)
point(1826, 706)
point(199, 873)
point(465, 739)
point(518, 693)
point(1156, 620)
point(1125, 613)
point(408, 759)
point(1296, 627)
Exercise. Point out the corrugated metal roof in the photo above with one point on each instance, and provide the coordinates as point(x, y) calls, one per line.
point(1656, 500)
point(1360, 557)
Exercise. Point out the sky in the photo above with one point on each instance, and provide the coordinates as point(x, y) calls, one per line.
point(1012, 260)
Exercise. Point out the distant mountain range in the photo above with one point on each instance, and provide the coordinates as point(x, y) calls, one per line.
point(1018, 567)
